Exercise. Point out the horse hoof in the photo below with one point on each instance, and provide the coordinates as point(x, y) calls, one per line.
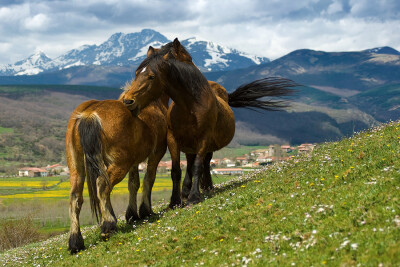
point(108, 228)
point(174, 205)
point(175, 202)
point(193, 199)
point(75, 243)
point(131, 216)
point(144, 212)
point(207, 188)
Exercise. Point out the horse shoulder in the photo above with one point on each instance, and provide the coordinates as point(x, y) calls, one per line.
point(154, 117)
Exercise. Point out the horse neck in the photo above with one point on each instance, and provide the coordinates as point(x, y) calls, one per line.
point(164, 98)
point(185, 100)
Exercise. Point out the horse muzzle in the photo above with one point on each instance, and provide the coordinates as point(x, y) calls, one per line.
point(132, 106)
point(128, 102)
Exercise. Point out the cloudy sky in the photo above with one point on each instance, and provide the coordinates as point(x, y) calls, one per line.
point(270, 28)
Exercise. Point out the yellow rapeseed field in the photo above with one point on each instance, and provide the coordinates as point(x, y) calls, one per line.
point(31, 184)
point(62, 189)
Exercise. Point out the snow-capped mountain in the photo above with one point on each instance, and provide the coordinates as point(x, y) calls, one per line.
point(129, 50)
point(32, 65)
point(209, 56)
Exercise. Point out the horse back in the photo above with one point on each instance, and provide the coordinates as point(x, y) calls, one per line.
point(219, 91)
point(123, 138)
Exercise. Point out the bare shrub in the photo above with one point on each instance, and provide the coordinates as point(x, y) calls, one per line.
point(16, 233)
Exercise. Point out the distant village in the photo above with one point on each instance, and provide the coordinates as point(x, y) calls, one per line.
point(225, 166)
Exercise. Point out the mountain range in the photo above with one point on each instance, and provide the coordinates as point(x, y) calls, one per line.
point(127, 50)
point(341, 92)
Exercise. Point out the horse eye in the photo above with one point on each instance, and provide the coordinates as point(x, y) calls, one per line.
point(152, 77)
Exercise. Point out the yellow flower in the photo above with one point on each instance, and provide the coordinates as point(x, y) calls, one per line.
point(221, 240)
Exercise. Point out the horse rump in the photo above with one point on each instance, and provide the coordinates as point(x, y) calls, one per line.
point(90, 132)
point(260, 93)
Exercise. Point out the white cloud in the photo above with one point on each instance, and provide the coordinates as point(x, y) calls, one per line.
point(335, 7)
point(266, 28)
point(39, 22)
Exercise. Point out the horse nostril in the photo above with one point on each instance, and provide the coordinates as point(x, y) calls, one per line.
point(129, 101)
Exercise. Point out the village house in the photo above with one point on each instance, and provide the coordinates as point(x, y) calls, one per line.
point(32, 172)
point(164, 166)
point(264, 159)
point(228, 171)
point(252, 165)
point(260, 152)
point(305, 148)
point(242, 160)
point(287, 148)
point(56, 169)
point(215, 162)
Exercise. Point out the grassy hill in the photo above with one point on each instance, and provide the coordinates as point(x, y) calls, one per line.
point(338, 206)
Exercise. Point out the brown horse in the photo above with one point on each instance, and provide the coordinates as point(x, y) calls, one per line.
point(105, 141)
point(200, 119)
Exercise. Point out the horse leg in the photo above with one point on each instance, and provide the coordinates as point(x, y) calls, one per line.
point(176, 172)
point(76, 242)
point(194, 196)
point(108, 219)
point(206, 182)
point(145, 209)
point(187, 182)
point(133, 186)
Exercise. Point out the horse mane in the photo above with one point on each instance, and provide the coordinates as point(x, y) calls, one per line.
point(185, 74)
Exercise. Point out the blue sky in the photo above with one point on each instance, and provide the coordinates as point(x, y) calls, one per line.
point(270, 28)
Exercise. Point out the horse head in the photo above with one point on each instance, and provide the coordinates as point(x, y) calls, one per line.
point(174, 50)
point(148, 83)
point(163, 70)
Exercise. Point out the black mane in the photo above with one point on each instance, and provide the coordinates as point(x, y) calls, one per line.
point(188, 75)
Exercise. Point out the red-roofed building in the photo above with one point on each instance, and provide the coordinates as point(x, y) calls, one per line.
point(287, 149)
point(32, 172)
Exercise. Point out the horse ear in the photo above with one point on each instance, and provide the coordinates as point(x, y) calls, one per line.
point(176, 44)
point(151, 51)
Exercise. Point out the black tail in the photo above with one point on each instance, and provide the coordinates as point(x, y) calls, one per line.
point(90, 132)
point(257, 94)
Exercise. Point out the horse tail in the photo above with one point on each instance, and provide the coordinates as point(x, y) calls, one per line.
point(259, 93)
point(90, 131)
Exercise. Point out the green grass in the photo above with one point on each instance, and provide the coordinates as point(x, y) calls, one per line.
point(338, 207)
point(6, 130)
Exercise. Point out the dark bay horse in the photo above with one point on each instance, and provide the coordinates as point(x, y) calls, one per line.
point(104, 141)
point(200, 118)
